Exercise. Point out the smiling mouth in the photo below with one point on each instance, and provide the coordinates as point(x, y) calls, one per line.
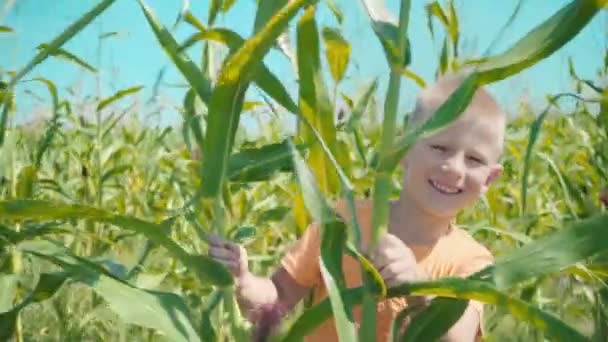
point(446, 190)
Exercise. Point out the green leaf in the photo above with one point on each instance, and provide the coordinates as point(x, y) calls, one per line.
point(260, 164)
point(9, 236)
point(6, 29)
point(263, 77)
point(117, 170)
point(434, 10)
point(337, 51)
point(68, 56)
point(361, 106)
point(450, 288)
point(533, 137)
point(242, 234)
point(207, 270)
point(332, 246)
point(453, 28)
point(48, 284)
point(335, 10)
point(433, 322)
point(53, 125)
point(6, 104)
point(214, 7)
point(273, 215)
point(266, 10)
point(227, 5)
point(61, 39)
point(414, 77)
point(227, 97)
point(551, 253)
point(117, 96)
point(542, 41)
point(315, 104)
point(386, 28)
point(200, 84)
point(443, 58)
point(163, 311)
point(25, 181)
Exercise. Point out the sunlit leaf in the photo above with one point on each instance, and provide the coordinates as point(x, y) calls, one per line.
point(68, 56)
point(332, 247)
point(61, 39)
point(117, 96)
point(315, 105)
point(162, 311)
point(200, 84)
point(207, 269)
point(337, 52)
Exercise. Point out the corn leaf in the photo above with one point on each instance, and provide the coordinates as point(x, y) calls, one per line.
point(450, 288)
point(434, 10)
point(433, 322)
point(386, 28)
point(361, 106)
point(25, 181)
point(552, 253)
point(542, 41)
point(332, 247)
point(53, 125)
point(337, 52)
point(9, 236)
point(61, 39)
point(207, 269)
point(260, 164)
point(227, 98)
point(117, 96)
point(214, 8)
point(266, 10)
point(315, 105)
point(533, 136)
point(6, 104)
point(163, 311)
point(68, 56)
point(335, 10)
point(453, 28)
point(200, 84)
point(264, 78)
point(48, 284)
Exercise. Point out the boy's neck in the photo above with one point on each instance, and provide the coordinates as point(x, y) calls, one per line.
point(415, 226)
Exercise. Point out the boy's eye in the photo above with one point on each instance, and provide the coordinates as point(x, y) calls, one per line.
point(476, 160)
point(440, 148)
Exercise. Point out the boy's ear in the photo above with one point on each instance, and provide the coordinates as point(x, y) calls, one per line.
point(495, 172)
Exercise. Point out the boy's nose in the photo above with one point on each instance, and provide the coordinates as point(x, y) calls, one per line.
point(453, 168)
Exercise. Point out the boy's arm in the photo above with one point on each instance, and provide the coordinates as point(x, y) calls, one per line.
point(256, 294)
point(280, 291)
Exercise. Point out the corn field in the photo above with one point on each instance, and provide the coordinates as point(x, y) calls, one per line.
point(103, 219)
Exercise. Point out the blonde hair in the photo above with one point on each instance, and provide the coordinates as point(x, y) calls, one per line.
point(482, 103)
point(434, 95)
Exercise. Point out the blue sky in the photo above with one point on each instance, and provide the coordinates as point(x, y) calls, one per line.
point(135, 58)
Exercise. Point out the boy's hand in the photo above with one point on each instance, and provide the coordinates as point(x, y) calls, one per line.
point(230, 254)
point(395, 261)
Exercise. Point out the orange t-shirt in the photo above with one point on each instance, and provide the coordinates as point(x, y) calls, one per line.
point(455, 254)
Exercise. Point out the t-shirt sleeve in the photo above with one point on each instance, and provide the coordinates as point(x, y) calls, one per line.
point(302, 259)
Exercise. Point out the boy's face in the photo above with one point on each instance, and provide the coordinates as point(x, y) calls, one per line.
point(448, 171)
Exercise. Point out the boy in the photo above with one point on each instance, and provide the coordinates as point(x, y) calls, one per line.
point(444, 173)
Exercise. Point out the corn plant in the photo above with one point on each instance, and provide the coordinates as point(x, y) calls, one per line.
point(81, 205)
